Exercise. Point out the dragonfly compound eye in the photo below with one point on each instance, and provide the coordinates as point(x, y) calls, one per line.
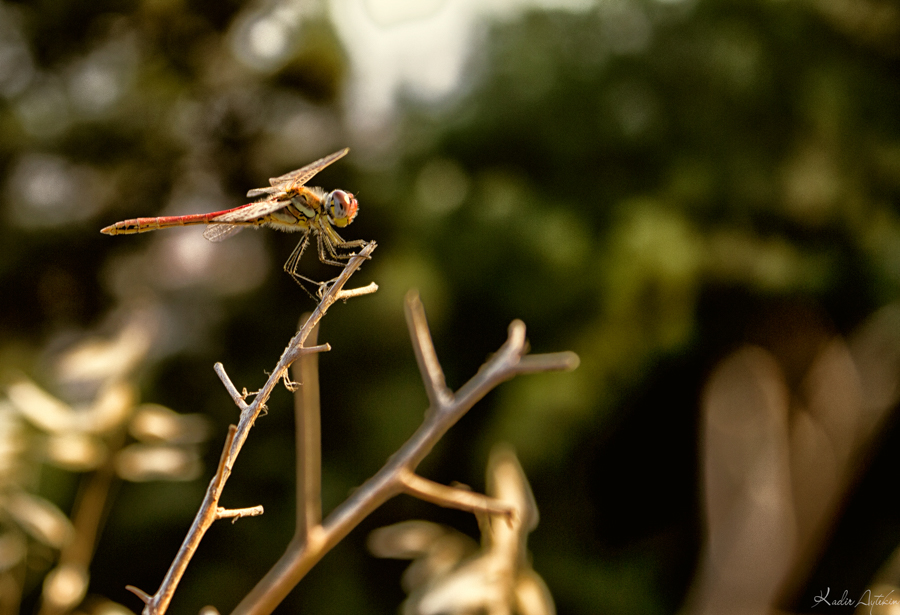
point(341, 207)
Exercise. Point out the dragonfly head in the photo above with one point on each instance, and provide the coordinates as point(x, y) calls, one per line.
point(341, 207)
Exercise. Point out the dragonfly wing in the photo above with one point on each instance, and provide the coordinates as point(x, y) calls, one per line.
point(298, 178)
point(250, 212)
point(261, 191)
point(221, 232)
point(232, 221)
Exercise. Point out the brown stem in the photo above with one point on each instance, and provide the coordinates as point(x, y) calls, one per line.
point(305, 550)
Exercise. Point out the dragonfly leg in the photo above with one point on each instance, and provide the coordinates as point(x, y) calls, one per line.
point(293, 262)
point(323, 286)
point(323, 242)
point(334, 242)
point(346, 245)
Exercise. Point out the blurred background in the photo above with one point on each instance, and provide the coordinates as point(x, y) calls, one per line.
point(653, 184)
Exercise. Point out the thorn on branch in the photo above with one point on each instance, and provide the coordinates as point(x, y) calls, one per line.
point(140, 593)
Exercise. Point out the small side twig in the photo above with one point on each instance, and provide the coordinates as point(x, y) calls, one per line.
point(239, 398)
point(439, 395)
point(238, 513)
point(357, 292)
point(453, 497)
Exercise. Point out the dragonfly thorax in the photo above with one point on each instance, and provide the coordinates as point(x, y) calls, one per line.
point(286, 204)
point(341, 207)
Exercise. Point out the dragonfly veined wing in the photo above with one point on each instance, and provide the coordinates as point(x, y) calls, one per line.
point(221, 232)
point(224, 226)
point(299, 177)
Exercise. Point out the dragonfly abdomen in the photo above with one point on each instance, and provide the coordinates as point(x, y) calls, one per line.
point(143, 225)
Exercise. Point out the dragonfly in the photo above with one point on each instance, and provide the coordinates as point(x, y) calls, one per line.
point(287, 204)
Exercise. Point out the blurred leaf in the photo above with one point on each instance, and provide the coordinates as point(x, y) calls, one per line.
point(41, 519)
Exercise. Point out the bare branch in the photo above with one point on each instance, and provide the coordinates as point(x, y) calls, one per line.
point(221, 470)
point(453, 497)
point(308, 433)
point(393, 478)
point(208, 512)
point(439, 396)
point(314, 538)
point(87, 518)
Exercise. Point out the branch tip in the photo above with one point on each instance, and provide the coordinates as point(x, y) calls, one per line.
point(357, 292)
point(439, 395)
point(517, 333)
point(238, 513)
point(548, 362)
point(314, 349)
point(236, 396)
point(412, 299)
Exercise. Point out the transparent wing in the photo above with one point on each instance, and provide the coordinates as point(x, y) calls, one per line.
point(221, 232)
point(251, 211)
point(261, 191)
point(231, 222)
point(298, 177)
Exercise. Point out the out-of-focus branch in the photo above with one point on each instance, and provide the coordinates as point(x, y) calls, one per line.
point(75, 558)
point(209, 509)
point(398, 474)
point(308, 431)
point(426, 356)
point(452, 497)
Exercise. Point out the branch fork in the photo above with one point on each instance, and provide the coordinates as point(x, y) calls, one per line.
point(314, 537)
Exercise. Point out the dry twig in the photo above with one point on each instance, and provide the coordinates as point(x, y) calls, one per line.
point(237, 435)
point(312, 539)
